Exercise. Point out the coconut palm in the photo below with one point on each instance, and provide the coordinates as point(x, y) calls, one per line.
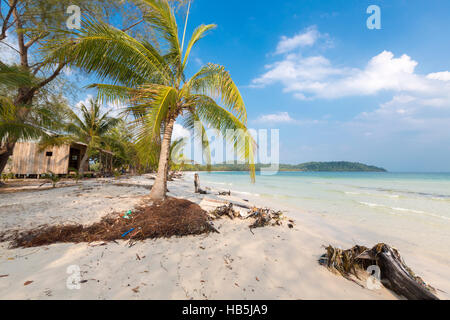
point(91, 128)
point(120, 141)
point(151, 78)
point(18, 122)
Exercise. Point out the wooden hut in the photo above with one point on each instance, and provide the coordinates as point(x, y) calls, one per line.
point(29, 159)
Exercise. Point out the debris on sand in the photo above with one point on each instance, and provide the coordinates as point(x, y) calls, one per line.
point(263, 216)
point(394, 273)
point(225, 210)
point(171, 217)
point(175, 175)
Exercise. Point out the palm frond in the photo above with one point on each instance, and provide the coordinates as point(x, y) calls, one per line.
point(14, 76)
point(162, 18)
point(209, 112)
point(14, 128)
point(198, 34)
point(213, 80)
point(109, 93)
point(192, 122)
point(110, 53)
point(155, 104)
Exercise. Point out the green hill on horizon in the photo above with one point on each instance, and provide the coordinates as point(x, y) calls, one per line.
point(332, 166)
point(338, 166)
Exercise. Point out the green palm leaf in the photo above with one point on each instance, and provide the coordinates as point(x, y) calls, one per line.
point(215, 81)
point(198, 34)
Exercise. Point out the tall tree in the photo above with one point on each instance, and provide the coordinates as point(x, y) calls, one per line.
point(154, 81)
point(120, 141)
point(26, 24)
point(91, 127)
point(24, 121)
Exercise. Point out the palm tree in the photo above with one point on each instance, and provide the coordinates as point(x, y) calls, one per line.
point(153, 81)
point(90, 128)
point(120, 141)
point(18, 122)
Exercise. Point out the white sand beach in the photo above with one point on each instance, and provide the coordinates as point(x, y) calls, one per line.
point(270, 263)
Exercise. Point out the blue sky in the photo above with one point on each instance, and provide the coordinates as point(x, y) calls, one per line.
point(335, 89)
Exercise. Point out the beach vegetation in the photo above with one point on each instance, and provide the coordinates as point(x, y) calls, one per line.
point(90, 128)
point(150, 76)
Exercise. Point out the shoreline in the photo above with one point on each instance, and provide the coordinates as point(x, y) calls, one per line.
point(272, 263)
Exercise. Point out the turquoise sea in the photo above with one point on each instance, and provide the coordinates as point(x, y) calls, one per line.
point(412, 207)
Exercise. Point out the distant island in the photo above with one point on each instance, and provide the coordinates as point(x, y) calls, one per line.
point(333, 166)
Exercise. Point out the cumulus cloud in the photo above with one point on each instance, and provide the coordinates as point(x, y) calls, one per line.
point(280, 117)
point(415, 116)
point(180, 132)
point(7, 54)
point(115, 109)
point(285, 118)
point(302, 39)
point(315, 77)
point(443, 76)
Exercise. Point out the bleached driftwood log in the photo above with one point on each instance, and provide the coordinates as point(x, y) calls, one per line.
point(395, 274)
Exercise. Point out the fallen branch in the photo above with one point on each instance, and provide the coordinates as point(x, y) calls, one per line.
point(395, 274)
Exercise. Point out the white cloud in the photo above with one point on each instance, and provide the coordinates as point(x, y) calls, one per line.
point(199, 61)
point(302, 39)
point(443, 76)
point(315, 77)
point(409, 130)
point(85, 101)
point(67, 71)
point(114, 109)
point(280, 117)
point(180, 132)
point(7, 54)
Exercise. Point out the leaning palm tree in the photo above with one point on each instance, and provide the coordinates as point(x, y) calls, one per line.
point(91, 128)
point(151, 78)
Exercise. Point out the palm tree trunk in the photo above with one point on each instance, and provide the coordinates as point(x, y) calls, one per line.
point(83, 162)
point(160, 186)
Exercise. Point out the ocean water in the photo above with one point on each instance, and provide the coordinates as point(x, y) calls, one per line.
point(409, 207)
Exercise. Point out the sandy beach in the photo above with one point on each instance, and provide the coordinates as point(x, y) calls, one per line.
point(271, 263)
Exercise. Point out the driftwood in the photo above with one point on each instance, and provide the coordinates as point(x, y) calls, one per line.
point(262, 216)
point(196, 182)
point(197, 185)
point(395, 274)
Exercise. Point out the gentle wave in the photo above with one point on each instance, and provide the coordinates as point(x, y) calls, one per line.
point(404, 210)
point(248, 193)
point(371, 204)
point(394, 196)
point(416, 193)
